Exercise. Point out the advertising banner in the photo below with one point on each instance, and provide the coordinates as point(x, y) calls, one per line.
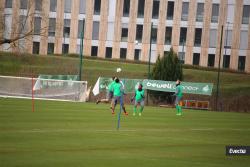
point(166, 86)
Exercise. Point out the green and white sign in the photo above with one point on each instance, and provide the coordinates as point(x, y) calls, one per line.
point(157, 85)
point(188, 87)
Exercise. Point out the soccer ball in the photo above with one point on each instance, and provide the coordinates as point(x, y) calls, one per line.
point(118, 70)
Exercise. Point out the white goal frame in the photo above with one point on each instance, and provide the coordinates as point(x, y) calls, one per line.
point(75, 91)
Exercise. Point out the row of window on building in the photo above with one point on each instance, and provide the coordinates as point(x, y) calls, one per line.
point(137, 55)
point(140, 10)
point(139, 33)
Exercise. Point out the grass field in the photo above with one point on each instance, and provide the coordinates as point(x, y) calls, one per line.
point(84, 134)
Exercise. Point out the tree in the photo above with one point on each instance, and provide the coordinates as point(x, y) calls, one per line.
point(167, 68)
point(14, 31)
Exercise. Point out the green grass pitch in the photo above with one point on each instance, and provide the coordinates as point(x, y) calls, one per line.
point(84, 134)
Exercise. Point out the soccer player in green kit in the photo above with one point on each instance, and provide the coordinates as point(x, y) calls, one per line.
point(109, 94)
point(178, 94)
point(118, 96)
point(139, 99)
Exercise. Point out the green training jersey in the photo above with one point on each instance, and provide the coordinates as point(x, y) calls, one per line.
point(179, 91)
point(117, 89)
point(110, 86)
point(139, 95)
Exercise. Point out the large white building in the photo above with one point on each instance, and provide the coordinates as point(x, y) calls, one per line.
point(121, 29)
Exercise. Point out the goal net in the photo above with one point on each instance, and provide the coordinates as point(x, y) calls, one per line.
point(50, 89)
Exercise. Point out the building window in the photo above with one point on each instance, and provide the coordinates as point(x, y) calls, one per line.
point(52, 27)
point(37, 25)
point(80, 28)
point(65, 48)
point(243, 40)
point(108, 52)
point(38, 5)
point(228, 39)
point(95, 33)
point(8, 3)
point(166, 52)
point(82, 9)
point(210, 61)
point(139, 32)
point(94, 51)
point(141, 4)
point(196, 58)
point(230, 13)
point(183, 35)
point(226, 61)
point(123, 53)
point(241, 63)
point(124, 37)
point(126, 6)
point(36, 47)
point(213, 38)
point(184, 13)
point(181, 57)
point(50, 48)
point(23, 4)
point(23, 28)
point(67, 6)
point(198, 35)
point(7, 26)
point(246, 14)
point(97, 7)
point(154, 35)
point(137, 54)
point(168, 35)
point(154, 56)
point(53, 4)
point(200, 12)
point(155, 11)
point(170, 10)
point(66, 28)
point(110, 33)
point(78, 49)
point(215, 13)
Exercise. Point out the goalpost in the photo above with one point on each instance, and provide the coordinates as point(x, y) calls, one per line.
point(48, 89)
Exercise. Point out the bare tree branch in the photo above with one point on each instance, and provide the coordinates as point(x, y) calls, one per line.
point(2, 41)
point(24, 28)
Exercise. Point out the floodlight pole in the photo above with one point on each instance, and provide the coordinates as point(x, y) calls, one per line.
point(149, 56)
point(218, 76)
point(81, 56)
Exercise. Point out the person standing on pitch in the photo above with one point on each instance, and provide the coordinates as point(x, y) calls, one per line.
point(118, 96)
point(178, 94)
point(139, 99)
